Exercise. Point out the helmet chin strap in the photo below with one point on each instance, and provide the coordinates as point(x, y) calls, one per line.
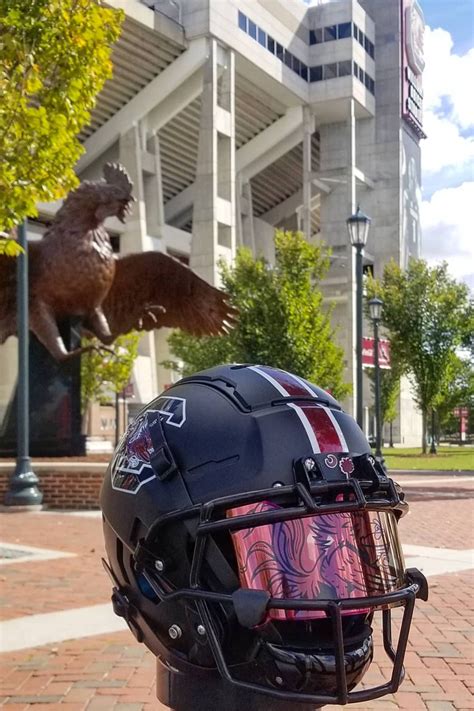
point(204, 691)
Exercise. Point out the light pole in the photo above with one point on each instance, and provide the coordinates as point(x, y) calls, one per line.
point(375, 308)
point(358, 228)
point(23, 486)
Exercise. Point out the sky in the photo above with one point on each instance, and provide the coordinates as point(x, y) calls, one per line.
point(448, 153)
point(447, 210)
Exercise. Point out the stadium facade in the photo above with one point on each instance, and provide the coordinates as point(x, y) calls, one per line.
point(234, 117)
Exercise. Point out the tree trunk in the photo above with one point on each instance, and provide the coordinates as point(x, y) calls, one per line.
point(423, 432)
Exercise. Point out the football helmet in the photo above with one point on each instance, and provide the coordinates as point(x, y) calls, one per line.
point(251, 534)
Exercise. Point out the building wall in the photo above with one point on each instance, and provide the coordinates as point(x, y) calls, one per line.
point(384, 151)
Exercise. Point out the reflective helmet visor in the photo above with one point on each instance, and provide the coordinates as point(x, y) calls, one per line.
point(322, 557)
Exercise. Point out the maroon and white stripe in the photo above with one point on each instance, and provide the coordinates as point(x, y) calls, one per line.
point(321, 427)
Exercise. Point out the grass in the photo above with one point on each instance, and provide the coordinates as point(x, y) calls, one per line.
point(447, 459)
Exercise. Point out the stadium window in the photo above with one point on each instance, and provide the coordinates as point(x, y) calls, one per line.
point(262, 37)
point(296, 65)
point(271, 44)
point(280, 52)
point(355, 69)
point(312, 37)
point(303, 71)
point(355, 30)
point(366, 44)
point(288, 59)
point(330, 71)
point(318, 35)
point(367, 80)
point(242, 21)
point(344, 30)
point(252, 29)
point(330, 33)
point(361, 38)
point(371, 86)
point(344, 68)
point(371, 49)
point(315, 73)
point(361, 74)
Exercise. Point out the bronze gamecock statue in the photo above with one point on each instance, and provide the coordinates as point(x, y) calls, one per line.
point(73, 272)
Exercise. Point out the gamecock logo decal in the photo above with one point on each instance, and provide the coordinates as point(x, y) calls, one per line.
point(131, 468)
point(173, 410)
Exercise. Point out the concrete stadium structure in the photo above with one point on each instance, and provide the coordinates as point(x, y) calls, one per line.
point(234, 117)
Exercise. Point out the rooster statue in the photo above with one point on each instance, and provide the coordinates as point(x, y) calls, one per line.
point(74, 272)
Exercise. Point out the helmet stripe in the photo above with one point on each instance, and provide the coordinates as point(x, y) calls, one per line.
point(292, 384)
point(308, 428)
point(321, 422)
point(321, 427)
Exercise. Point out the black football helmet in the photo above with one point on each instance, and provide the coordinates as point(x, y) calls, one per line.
point(251, 534)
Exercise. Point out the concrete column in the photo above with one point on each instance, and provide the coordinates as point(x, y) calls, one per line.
point(307, 171)
point(214, 211)
point(351, 262)
point(153, 188)
point(135, 239)
point(248, 226)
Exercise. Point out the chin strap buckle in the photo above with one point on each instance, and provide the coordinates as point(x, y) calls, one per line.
point(417, 577)
point(124, 608)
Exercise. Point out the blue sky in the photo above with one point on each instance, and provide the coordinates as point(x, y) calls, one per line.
point(448, 152)
point(455, 16)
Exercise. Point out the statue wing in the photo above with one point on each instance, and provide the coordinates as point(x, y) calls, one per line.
point(151, 290)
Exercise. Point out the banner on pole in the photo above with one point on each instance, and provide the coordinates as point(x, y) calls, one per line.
point(368, 353)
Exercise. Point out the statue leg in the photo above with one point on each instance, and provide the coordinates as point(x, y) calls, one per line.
point(98, 324)
point(44, 326)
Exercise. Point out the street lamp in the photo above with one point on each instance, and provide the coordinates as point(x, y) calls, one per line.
point(23, 486)
point(375, 309)
point(358, 228)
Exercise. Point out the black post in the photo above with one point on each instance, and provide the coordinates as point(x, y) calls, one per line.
point(359, 315)
point(433, 422)
point(23, 487)
point(378, 423)
point(117, 417)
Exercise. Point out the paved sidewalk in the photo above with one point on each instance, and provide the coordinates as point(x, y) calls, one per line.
point(112, 671)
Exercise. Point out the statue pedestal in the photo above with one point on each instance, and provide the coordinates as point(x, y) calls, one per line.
point(55, 403)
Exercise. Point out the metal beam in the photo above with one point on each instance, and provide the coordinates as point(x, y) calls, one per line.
point(156, 92)
point(183, 95)
point(284, 209)
point(268, 146)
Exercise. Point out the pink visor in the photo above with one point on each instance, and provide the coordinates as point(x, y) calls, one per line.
point(321, 557)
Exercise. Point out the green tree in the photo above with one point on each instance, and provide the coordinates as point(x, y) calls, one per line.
point(458, 393)
point(54, 59)
point(428, 315)
point(106, 372)
point(281, 322)
point(389, 390)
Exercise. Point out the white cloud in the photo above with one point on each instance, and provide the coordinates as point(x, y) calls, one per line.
point(448, 229)
point(448, 156)
point(449, 104)
point(448, 76)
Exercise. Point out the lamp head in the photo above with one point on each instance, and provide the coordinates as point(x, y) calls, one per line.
point(358, 228)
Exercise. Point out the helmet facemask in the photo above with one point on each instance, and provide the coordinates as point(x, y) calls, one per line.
point(284, 582)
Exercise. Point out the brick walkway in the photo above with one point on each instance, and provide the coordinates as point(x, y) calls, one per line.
point(112, 671)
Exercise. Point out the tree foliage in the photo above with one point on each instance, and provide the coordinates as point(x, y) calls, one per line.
point(389, 390)
point(429, 316)
point(282, 321)
point(458, 393)
point(54, 59)
point(103, 372)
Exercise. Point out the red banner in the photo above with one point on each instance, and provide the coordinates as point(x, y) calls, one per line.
point(368, 353)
